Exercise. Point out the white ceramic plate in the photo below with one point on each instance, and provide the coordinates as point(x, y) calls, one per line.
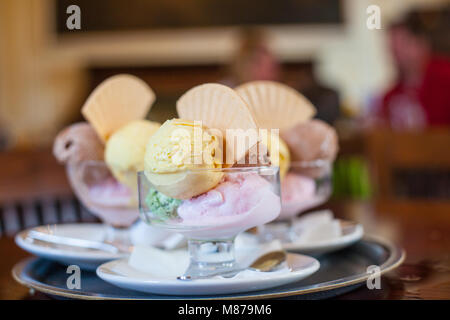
point(84, 258)
point(119, 273)
point(351, 233)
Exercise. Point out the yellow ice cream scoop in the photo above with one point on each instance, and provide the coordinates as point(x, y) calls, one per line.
point(278, 152)
point(125, 150)
point(176, 155)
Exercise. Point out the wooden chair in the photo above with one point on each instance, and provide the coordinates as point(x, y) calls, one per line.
point(28, 174)
point(390, 152)
point(34, 190)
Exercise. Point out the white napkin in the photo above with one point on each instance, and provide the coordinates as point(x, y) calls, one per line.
point(161, 263)
point(142, 234)
point(316, 227)
point(165, 263)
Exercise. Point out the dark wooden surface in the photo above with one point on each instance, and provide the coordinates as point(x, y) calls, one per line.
point(424, 275)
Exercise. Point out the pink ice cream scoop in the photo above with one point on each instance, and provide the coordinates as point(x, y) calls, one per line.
point(104, 196)
point(298, 193)
point(238, 203)
point(110, 200)
point(110, 193)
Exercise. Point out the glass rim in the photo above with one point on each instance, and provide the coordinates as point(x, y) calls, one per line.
point(256, 169)
point(316, 163)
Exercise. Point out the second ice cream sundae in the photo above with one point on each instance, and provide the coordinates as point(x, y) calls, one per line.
point(102, 156)
point(306, 148)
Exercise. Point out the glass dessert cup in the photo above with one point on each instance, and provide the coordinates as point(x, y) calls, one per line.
point(307, 185)
point(113, 203)
point(244, 198)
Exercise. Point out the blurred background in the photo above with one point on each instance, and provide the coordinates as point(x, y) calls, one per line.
point(386, 91)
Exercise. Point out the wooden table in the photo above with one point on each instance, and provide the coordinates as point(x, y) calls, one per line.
point(424, 275)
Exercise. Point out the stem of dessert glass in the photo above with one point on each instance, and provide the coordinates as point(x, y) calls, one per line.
point(117, 235)
point(208, 257)
point(291, 233)
point(263, 235)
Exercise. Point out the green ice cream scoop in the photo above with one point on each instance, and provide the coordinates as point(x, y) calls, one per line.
point(161, 205)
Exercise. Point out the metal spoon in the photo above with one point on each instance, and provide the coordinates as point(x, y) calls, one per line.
point(79, 243)
point(265, 263)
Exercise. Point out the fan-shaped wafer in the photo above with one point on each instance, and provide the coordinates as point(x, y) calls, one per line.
point(220, 107)
point(117, 101)
point(275, 105)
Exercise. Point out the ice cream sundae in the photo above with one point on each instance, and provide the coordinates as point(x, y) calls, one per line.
point(104, 154)
point(190, 184)
point(307, 147)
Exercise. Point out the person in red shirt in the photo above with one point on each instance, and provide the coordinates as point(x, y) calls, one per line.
point(421, 95)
